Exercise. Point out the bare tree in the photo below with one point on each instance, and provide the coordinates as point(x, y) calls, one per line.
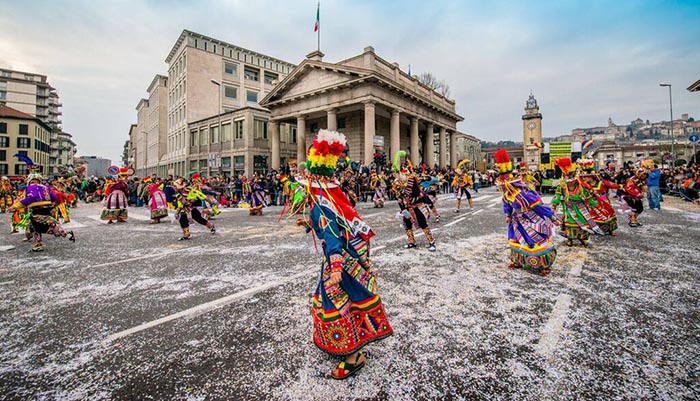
point(435, 84)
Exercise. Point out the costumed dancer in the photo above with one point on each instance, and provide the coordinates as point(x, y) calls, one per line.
point(377, 182)
point(530, 225)
point(347, 184)
point(413, 204)
point(59, 188)
point(429, 185)
point(189, 204)
point(116, 201)
point(603, 214)
point(6, 192)
point(158, 202)
point(346, 309)
point(39, 201)
point(19, 212)
point(633, 193)
point(527, 177)
point(257, 197)
point(461, 183)
point(575, 201)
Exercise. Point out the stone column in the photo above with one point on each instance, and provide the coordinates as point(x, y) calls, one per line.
point(429, 146)
point(332, 118)
point(301, 139)
point(274, 128)
point(443, 147)
point(415, 155)
point(369, 133)
point(453, 149)
point(395, 133)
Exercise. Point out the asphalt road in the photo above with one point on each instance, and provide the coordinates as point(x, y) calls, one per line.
point(130, 313)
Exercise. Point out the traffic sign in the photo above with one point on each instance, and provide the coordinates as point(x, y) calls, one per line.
point(694, 138)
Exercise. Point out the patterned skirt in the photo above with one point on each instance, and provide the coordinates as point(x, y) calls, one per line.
point(349, 315)
point(158, 205)
point(530, 241)
point(115, 207)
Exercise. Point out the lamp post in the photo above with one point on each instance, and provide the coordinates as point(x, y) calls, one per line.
point(219, 114)
point(673, 137)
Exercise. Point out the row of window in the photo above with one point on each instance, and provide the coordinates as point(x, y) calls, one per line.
point(247, 58)
point(177, 92)
point(178, 68)
point(206, 136)
point(259, 163)
point(177, 116)
point(231, 93)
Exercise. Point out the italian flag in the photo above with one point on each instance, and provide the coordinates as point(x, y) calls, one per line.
point(318, 17)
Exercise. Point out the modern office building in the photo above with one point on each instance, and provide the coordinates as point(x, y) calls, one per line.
point(96, 166)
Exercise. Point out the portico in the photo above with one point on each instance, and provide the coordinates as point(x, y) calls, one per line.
point(377, 106)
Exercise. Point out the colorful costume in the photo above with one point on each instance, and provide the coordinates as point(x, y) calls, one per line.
point(575, 201)
point(39, 201)
point(347, 184)
point(19, 212)
point(6, 199)
point(603, 214)
point(461, 183)
point(428, 186)
point(527, 177)
point(377, 182)
point(347, 311)
point(413, 204)
point(189, 205)
point(116, 202)
point(530, 226)
point(61, 201)
point(632, 194)
point(257, 197)
point(158, 202)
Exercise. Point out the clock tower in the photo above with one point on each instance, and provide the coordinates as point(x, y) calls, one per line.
point(532, 133)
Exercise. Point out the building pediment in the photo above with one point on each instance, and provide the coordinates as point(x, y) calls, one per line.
point(312, 77)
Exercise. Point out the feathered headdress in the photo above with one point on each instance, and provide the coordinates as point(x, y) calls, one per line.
point(462, 163)
point(24, 158)
point(123, 172)
point(147, 179)
point(523, 166)
point(587, 165)
point(396, 166)
point(324, 153)
point(196, 177)
point(503, 163)
point(565, 165)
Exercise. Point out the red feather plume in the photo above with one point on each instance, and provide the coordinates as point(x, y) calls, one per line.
point(501, 156)
point(564, 163)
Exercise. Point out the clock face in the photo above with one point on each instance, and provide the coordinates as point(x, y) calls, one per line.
point(531, 126)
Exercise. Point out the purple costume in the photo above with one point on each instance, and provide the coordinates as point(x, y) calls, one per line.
point(39, 201)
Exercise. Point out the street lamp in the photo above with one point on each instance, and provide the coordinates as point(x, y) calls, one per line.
point(219, 114)
point(673, 137)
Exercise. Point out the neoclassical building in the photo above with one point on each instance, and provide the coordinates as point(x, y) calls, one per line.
point(375, 104)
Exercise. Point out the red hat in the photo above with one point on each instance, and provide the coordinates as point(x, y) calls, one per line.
point(503, 163)
point(565, 165)
point(196, 177)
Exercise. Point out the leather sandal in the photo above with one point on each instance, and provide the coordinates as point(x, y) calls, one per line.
point(347, 369)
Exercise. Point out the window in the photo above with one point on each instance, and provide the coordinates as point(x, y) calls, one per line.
point(260, 129)
point(251, 74)
point(3, 85)
point(260, 164)
point(270, 78)
point(23, 129)
point(24, 143)
point(230, 92)
point(20, 169)
point(3, 155)
point(203, 137)
point(226, 133)
point(5, 74)
point(251, 96)
point(3, 168)
point(293, 135)
point(3, 128)
point(214, 135)
point(3, 95)
point(29, 77)
point(203, 164)
point(226, 162)
point(230, 68)
point(532, 140)
point(238, 129)
point(194, 165)
point(341, 123)
point(193, 138)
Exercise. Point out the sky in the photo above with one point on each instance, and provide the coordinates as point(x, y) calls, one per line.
point(584, 61)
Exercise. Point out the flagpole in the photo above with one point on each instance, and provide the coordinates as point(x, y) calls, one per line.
point(318, 11)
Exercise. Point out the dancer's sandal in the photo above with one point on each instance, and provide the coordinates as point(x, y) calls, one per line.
point(346, 369)
point(71, 236)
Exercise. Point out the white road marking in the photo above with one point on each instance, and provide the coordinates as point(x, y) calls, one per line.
point(6, 248)
point(455, 222)
point(7, 282)
point(372, 215)
point(376, 248)
point(141, 217)
point(478, 211)
point(73, 224)
point(554, 326)
point(494, 203)
point(206, 307)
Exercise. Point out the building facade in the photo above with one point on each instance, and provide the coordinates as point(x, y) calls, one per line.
point(620, 154)
point(375, 104)
point(25, 134)
point(32, 94)
point(206, 77)
point(469, 147)
point(96, 166)
point(532, 133)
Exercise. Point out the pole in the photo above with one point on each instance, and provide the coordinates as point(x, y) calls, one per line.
point(220, 133)
point(318, 19)
point(673, 136)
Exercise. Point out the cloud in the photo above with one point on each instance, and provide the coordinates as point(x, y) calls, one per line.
point(583, 61)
